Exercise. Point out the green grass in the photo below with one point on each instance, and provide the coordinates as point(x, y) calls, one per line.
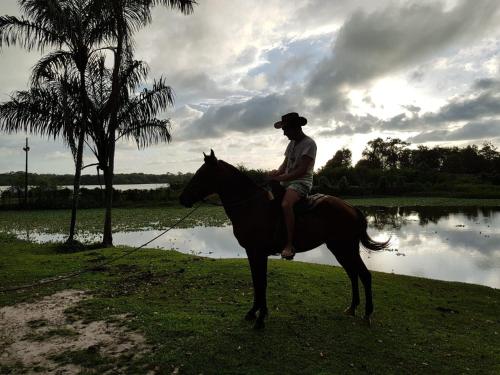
point(92, 220)
point(191, 311)
point(424, 201)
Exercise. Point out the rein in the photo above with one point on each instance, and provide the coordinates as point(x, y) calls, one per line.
point(95, 267)
point(241, 202)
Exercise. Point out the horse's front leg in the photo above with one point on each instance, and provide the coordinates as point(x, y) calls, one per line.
point(258, 267)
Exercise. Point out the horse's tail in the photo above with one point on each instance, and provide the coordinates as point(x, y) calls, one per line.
point(365, 239)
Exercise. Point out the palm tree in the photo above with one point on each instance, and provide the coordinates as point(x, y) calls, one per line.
point(51, 108)
point(136, 119)
point(76, 28)
point(128, 16)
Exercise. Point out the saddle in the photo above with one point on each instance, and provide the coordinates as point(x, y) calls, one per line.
point(308, 203)
point(304, 205)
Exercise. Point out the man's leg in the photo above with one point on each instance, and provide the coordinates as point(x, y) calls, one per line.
point(291, 197)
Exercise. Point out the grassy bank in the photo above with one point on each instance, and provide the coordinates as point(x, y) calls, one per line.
point(423, 201)
point(128, 219)
point(191, 312)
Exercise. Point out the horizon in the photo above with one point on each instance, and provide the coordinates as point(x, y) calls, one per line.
point(357, 70)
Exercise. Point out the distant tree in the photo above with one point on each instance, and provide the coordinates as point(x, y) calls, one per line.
point(382, 154)
point(341, 159)
point(452, 161)
point(424, 158)
point(343, 184)
point(490, 158)
point(471, 159)
point(406, 158)
point(489, 151)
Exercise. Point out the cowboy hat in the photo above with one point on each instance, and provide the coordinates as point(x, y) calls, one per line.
point(291, 118)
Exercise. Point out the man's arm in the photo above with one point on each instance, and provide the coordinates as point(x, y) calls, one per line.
point(280, 170)
point(305, 163)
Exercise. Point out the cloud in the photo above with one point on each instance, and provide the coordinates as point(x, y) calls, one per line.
point(318, 13)
point(248, 56)
point(290, 62)
point(236, 67)
point(191, 87)
point(481, 104)
point(371, 45)
point(470, 131)
point(257, 113)
point(349, 124)
point(255, 83)
point(217, 39)
point(412, 108)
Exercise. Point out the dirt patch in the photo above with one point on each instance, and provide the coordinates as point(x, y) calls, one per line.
point(35, 336)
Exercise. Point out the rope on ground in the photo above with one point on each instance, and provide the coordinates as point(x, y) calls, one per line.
point(89, 269)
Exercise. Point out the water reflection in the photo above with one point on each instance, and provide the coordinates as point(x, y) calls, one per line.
point(456, 244)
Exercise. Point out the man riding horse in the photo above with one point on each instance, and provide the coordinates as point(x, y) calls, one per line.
point(255, 217)
point(296, 171)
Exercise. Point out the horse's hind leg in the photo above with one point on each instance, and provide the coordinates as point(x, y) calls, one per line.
point(366, 279)
point(252, 313)
point(345, 256)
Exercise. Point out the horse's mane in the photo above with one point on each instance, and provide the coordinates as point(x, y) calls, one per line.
point(239, 175)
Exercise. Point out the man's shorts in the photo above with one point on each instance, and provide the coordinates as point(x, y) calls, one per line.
point(302, 188)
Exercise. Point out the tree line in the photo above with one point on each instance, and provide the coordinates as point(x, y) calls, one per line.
point(392, 166)
point(387, 167)
point(16, 179)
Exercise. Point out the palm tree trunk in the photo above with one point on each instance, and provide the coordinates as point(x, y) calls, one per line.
point(107, 238)
point(112, 108)
point(76, 184)
point(79, 155)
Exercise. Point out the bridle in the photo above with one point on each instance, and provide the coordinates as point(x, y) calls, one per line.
point(261, 188)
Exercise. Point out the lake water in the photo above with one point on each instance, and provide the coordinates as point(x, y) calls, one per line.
point(121, 187)
point(454, 244)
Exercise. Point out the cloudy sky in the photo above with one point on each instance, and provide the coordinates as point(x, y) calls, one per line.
point(427, 71)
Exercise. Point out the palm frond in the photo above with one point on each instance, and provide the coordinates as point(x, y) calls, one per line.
point(148, 103)
point(185, 6)
point(148, 133)
point(49, 65)
point(51, 109)
point(27, 34)
point(134, 72)
point(136, 14)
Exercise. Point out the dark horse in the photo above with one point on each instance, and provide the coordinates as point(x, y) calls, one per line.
point(256, 217)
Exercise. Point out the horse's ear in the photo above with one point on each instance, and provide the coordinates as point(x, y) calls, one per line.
point(210, 158)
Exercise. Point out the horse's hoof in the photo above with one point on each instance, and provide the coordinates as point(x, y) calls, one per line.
point(350, 311)
point(250, 316)
point(259, 324)
point(368, 320)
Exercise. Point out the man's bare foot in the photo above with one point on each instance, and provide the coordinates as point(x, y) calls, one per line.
point(288, 253)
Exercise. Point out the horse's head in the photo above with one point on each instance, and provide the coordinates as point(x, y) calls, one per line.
point(203, 183)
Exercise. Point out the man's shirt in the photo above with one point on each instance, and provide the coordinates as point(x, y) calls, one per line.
point(294, 153)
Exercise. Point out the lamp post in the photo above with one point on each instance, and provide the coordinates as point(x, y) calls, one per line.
point(26, 149)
